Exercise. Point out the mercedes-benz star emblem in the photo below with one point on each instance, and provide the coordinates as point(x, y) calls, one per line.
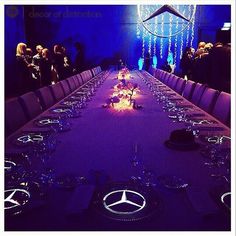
point(15, 198)
point(167, 8)
point(147, 22)
point(124, 202)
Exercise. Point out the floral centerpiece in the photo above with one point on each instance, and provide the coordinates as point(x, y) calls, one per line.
point(124, 93)
point(124, 74)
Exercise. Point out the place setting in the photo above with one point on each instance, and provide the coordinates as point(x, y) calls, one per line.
point(114, 120)
point(58, 124)
point(68, 112)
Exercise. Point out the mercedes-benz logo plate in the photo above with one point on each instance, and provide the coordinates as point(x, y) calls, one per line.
point(125, 202)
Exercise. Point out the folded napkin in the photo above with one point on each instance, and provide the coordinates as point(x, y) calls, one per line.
point(80, 199)
point(201, 201)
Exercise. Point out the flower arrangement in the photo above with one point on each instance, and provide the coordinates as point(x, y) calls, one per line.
point(124, 93)
point(124, 73)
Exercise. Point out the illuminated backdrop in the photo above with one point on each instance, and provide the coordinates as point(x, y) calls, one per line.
point(106, 33)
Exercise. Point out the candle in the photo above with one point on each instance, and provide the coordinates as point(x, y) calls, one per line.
point(136, 148)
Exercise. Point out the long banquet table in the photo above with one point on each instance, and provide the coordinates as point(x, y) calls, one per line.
point(98, 151)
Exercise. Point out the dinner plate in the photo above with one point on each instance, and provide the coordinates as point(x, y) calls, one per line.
point(68, 112)
point(59, 110)
point(30, 138)
point(56, 123)
point(47, 121)
point(69, 103)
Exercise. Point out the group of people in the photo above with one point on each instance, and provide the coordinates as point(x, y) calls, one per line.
point(209, 64)
point(42, 68)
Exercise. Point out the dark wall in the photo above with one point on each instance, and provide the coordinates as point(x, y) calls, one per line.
point(106, 33)
point(210, 19)
point(14, 33)
point(103, 31)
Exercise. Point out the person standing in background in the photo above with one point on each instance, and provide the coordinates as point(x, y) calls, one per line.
point(23, 68)
point(58, 60)
point(38, 57)
point(46, 68)
point(186, 62)
point(147, 61)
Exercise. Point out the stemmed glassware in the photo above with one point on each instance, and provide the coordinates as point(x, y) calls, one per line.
point(143, 176)
point(28, 167)
point(217, 151)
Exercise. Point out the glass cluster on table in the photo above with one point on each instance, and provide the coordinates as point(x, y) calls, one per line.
point(214, 140)
point(28, 174)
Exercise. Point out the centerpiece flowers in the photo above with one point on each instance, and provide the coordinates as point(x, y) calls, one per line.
point(124, 93)
point(124, 74)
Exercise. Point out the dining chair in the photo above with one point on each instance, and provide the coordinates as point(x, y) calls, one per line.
point(161, 75)
point(65, 86)
point(165, 77)
point(157, 74)
point(57, 91)
point(71, 83)
point(77, 79)
point(154, 71)
point(188, 89)
point(99, 69)
point(179, 87)
point(31, 105)
point(45, 97)
point(15, 116)
point(172, 81)
point(80, 79)
point(84, 76)
point(94, 71)
point(221, 109)
point(150, 70)
point(89, 74)
point(197, 93)
point(168, 78)
point(208, 99)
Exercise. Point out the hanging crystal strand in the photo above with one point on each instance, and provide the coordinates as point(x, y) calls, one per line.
point(188, 27)
point(162, 32)
point(170, 32)
point(155, 37)
point(193, 23)
point(176, 36)
point(182, 36)
point(138, 28)
point(143, 43)
point(150, 43)
point(148, 12)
